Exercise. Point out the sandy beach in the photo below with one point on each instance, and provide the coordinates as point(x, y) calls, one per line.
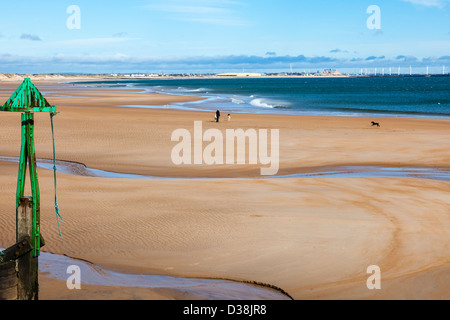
point(313, 238)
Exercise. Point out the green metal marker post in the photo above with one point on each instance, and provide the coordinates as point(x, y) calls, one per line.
point(27, 99)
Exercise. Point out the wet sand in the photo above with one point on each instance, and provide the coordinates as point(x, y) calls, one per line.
point(314, 238)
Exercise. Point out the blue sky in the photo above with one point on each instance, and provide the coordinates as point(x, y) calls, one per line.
point(221, 35)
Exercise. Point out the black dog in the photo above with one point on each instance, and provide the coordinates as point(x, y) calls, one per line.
point(375, 124)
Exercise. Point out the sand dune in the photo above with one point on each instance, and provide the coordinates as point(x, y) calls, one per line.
point(314, 238)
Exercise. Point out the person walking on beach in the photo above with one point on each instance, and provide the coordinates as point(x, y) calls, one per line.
point(217, 115)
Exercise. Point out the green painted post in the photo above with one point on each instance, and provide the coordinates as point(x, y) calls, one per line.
point(28, 154)
point(22, 162)
point(27, 99)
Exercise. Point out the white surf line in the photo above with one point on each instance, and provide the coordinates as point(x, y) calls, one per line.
point(80, 169)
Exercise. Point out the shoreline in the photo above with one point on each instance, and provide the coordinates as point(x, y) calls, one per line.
point(188, 102)
point(207, 102)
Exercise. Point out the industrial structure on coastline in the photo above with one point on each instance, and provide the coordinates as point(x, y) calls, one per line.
point(324, 73)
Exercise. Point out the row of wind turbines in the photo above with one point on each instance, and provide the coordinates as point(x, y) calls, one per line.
point(383, 71)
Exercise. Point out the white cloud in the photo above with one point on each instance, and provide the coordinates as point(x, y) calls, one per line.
point(190, 9)
point(218, 12)
point(429, 3)
point(32, 37)
point(95, 41)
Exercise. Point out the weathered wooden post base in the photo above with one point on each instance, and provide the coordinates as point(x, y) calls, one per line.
point(27, 266)
point(16, 251)
point(8, 281)
point(19, 269)
point(9, 277)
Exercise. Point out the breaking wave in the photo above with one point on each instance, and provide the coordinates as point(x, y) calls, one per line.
point(238, 101)
point(266, 103)
point(192, 90)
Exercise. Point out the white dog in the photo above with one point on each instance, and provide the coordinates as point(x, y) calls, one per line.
point(229, 117)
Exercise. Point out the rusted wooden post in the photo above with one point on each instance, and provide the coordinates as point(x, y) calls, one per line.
point(27, 265)
point(18, 268)
point(8, 281)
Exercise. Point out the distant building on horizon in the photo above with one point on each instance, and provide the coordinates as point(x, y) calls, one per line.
point(241, 75)
point(331, 72)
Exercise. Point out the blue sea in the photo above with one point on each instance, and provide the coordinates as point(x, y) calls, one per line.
point(355, 96)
